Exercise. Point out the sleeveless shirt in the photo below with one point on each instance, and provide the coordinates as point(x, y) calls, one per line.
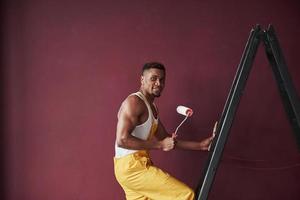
point(143, 131)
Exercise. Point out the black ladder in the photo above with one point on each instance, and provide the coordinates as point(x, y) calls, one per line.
point(287, 92)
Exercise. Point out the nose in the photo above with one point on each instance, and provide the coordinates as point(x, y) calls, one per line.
point(158, 82)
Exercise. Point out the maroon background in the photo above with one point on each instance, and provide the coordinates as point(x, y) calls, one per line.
point(69, 64)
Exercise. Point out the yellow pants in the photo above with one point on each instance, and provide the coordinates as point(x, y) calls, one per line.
point(143, 181)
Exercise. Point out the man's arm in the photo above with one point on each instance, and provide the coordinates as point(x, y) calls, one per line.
point(128, 118)
point(191, 145)
point(188, 145)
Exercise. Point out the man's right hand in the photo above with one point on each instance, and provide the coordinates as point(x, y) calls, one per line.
point(167, 144)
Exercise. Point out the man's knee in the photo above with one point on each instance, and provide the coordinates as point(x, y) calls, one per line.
point(188, 194)
point(191, 195)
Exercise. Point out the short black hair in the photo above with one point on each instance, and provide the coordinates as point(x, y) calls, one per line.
point(155, 65)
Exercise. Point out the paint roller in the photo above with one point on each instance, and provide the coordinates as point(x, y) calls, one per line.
point(187, 112)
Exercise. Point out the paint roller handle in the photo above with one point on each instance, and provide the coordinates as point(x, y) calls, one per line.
point(174, 135)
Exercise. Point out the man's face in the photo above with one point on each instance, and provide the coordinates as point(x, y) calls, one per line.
point(153, 81)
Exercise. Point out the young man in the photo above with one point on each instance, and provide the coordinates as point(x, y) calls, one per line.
point(140, 130)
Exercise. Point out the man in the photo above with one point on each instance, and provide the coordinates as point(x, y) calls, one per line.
point(140, 130)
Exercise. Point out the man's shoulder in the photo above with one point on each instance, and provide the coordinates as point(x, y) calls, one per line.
point(133, 102)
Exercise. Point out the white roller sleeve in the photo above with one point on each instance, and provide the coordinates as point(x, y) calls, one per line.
point(184, 110)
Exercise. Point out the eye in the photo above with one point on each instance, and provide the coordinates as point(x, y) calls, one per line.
point(153, 78)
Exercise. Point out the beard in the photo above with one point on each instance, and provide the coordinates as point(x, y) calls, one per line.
point(156, 93)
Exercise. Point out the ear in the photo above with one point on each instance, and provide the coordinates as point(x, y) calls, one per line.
point(142, 80)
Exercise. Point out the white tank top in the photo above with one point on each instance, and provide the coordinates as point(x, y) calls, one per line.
point(143, 131)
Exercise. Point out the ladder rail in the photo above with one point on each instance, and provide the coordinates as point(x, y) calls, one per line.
point(230, 108)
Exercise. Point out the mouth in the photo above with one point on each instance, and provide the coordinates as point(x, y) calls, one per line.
point(157, 89)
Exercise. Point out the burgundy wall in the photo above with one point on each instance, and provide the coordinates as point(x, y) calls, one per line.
point(69, 64)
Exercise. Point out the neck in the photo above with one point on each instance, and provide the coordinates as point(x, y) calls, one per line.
point(150, 98)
